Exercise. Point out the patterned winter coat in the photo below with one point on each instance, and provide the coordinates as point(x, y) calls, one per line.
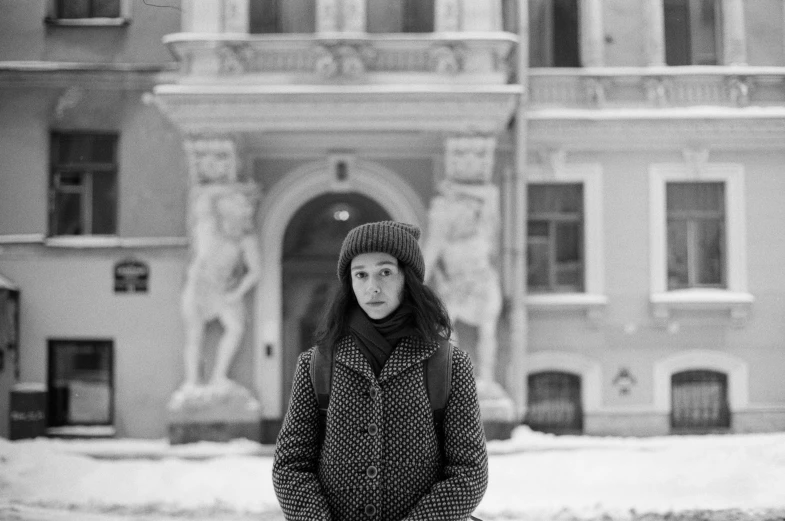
point(380, 458)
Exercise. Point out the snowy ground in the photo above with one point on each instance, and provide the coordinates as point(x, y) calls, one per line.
point(533, 476)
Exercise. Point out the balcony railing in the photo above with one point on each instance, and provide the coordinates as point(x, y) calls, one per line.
point(656, 87)
point(468, 58)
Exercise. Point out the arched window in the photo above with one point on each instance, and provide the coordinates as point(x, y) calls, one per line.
point(699, 401)
point(554, 403)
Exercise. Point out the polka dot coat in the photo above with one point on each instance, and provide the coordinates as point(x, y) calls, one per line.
point(380, 458)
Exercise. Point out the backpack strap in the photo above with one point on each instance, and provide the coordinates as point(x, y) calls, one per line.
point(322, 362)
point(438, 382)
point(438, 376)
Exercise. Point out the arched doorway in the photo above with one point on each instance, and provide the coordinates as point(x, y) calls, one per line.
point(310, 251)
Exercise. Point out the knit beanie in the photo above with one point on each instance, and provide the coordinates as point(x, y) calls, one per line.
point(392, 237)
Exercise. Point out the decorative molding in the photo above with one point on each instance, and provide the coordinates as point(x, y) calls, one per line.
point(618, 130)
point(588, 369)
point(198, 109)
point(590, 176)
point(696, 159)
point(481, 58)
point(657, 87)
point(734, 297)
point(736, 369)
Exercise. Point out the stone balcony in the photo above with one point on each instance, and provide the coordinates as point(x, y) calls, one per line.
point(325, 82)
point(656, 87)
point(356, 58)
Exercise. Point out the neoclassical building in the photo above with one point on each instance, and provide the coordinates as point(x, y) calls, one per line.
point(613, 167)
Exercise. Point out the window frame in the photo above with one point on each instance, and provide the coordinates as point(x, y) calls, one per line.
point(86, 170)
point(734, 297)
point(592, 299)
point(692, 219)
point(691, 8)
point(53, 17)
point(552, 220)
point(52, 344)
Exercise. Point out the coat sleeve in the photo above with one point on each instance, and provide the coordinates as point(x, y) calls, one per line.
point(297, 453)
point(456, 496)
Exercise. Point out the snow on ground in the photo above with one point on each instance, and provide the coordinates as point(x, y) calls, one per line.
point(532, 476)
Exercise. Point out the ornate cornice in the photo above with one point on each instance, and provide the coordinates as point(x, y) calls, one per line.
point(470, 58)
point(257, 108)
point(740, 130)
point(119, 76)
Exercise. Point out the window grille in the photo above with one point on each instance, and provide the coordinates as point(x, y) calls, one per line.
point(80, 382)
point(696, 235)
point(555, 244)
point(699, 401)
point(83, 185)
point(554, 403)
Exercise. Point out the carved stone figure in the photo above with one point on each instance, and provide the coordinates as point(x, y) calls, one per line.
point(226, 263)
point(460, 261)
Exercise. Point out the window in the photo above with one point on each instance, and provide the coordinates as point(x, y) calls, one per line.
point(697, 241)
point(400, 16)
point(80, 383)
point(554, 402)
point(279, 16)
point(696, 235)
point(692, 32)
point(70, 9)
point(83, 185)
point(555, 27)
point(699, 401)
point(555, 238)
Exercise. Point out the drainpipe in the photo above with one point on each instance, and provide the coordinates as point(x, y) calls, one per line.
point(518, 313)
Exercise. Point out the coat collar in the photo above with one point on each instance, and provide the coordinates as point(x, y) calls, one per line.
point(410, 350)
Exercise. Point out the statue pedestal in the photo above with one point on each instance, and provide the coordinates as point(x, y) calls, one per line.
point(497, 410)
point(213, 413)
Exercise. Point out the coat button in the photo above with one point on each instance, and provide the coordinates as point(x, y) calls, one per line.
point(371, 472)
point(373, 429)
point(373, 392)
point(370, 510)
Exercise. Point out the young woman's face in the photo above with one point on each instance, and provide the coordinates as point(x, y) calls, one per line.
point(377, 281)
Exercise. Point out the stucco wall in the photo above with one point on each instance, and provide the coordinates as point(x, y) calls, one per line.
point(152, 174)
point(25, 36)
point(68, 294)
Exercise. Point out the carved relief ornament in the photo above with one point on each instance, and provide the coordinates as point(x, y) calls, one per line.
point(470, 159)
point(212, 160)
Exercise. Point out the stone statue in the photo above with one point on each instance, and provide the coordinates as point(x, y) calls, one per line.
point(460, 258)
point(226, 264)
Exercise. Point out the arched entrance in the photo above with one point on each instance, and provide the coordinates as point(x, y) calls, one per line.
point(310, 251)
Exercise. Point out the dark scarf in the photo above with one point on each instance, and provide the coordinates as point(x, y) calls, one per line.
point(377, 339)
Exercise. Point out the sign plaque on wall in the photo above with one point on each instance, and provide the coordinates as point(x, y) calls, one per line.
point(131, 276)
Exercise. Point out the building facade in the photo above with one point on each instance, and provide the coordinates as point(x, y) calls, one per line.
point(633, 148)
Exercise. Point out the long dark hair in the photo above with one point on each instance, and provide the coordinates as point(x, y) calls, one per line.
point(430, 315)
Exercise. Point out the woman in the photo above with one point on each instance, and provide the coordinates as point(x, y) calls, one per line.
point(381, 456)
